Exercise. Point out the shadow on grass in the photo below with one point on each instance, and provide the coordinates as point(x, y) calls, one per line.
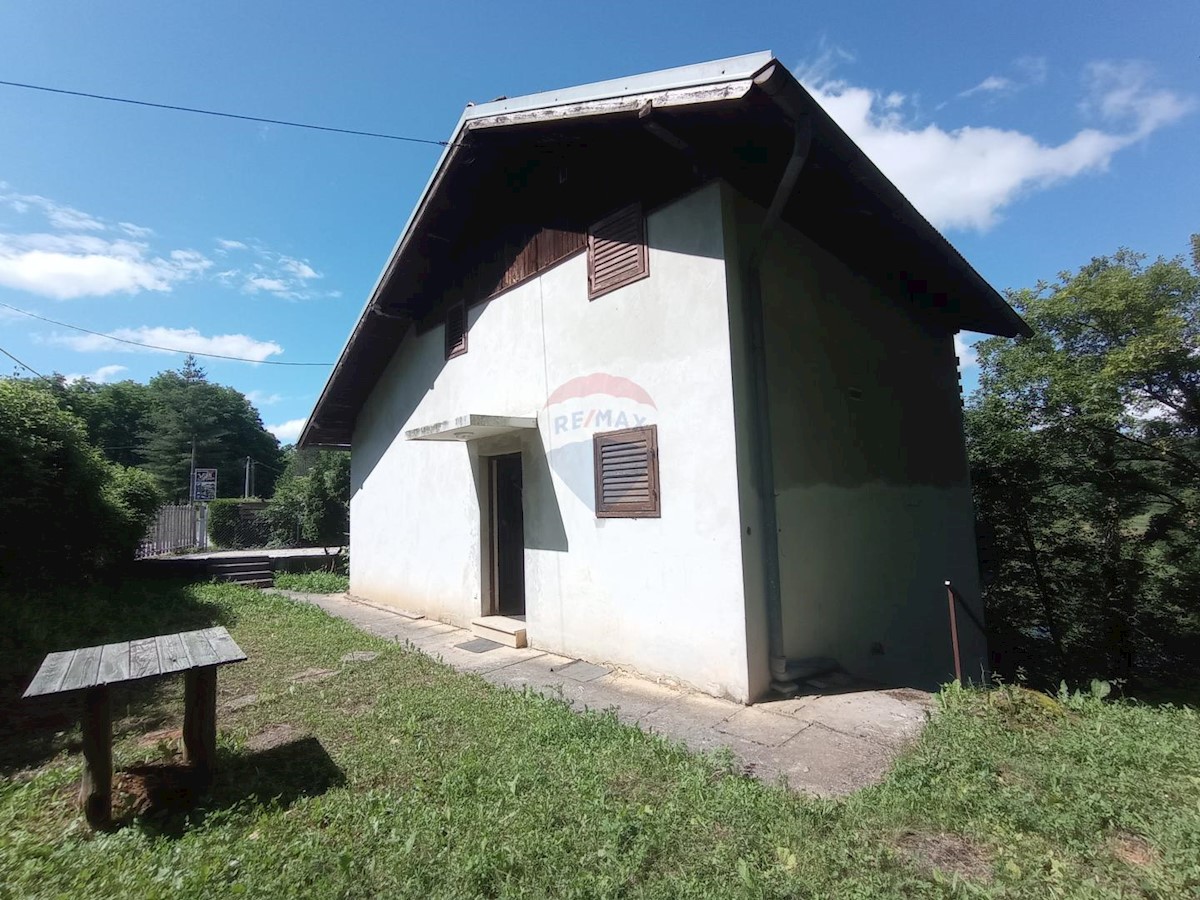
point(40, 621)
point(169, 799)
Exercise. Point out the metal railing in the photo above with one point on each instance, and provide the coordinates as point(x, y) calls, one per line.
point(953, 600)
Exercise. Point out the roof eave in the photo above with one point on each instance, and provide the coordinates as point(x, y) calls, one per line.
point(795, 100)
point(578, 101)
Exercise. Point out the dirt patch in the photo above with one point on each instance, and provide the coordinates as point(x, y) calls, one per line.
point(161, 736)
point(1133, 850)
point(911, 695)
point(273, 736)
point(153, 789)
point(312, 675)
point(239, 702)
point(360, 656)
point(949, 853)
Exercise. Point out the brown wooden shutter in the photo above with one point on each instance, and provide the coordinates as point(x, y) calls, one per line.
point(617, 251)
point(627, 473)
point(456, 330)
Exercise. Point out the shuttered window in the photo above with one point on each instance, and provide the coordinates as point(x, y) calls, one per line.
point(627, 473)
point(617, 251)
point(456, 330)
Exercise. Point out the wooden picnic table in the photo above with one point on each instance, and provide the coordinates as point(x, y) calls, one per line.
point(93, 669)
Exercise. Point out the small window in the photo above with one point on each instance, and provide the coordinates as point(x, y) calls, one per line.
point(456, 330)
point(617, 251)
point(627, 474)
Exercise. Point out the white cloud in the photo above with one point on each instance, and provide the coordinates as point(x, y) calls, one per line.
point(1120, 94)
point(135, 231)
point(819, 67)
point(65, 218)
point(298, 268)
point(188, 262)
point(967, 357)
point(262, 398)
point(187, 340)
point(283, 276)
point(102, 375)
point(1033, 69)
point(64, 267)
point(67, 253)
point(965, 177)
point(258, 283)
point(74, 260)
point(990, 85)
point(287, 432)
point(68, 219)
point(1030, 72)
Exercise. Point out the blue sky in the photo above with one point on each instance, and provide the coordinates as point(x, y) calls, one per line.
point(1035, 135)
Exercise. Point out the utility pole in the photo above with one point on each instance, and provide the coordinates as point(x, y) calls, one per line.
point(199, 522)
point(246, 489)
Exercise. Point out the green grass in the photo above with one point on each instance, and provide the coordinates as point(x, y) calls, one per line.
point(404, 778)
point(313, 582)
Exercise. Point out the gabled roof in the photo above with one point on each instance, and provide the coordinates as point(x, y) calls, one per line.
point(581, 151)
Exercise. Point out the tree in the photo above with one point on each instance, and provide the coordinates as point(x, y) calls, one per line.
point(222, 423)
point(311, 506)
point(67, 511)
point(1085, 455)
point(151, 426)
point(116, 415)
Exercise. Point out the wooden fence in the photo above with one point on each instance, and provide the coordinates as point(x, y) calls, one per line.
point(175, 528)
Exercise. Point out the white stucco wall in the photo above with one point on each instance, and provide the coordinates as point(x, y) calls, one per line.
point(663, 596)
point(872, 492)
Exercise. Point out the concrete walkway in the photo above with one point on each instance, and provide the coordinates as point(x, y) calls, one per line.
point(826, 744)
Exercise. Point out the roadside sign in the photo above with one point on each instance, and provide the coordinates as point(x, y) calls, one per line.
point(205, 485)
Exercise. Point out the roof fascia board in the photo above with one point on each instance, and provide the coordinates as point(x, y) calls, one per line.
point(734, 68)
point(729, 90)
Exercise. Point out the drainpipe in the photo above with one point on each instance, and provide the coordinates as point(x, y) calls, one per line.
point(775, 81)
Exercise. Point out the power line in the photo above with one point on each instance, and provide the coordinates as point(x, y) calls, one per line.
point(26, 366)
point(223, 115)
point(262, 362)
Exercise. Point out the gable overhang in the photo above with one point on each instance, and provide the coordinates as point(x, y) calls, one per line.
point(471, 427)
point(729, 118)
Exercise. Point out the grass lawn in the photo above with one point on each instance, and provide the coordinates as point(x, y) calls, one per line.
point(313, 582)
point(399, 777)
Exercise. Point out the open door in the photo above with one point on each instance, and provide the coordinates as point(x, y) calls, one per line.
point(508, 536)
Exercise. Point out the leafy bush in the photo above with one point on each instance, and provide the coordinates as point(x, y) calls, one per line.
point(134, 496)
point(311, 506)
point(234, 525)
point(223, 518)
point(66, 510)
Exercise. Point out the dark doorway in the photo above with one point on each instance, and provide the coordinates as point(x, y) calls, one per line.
point(508, 536)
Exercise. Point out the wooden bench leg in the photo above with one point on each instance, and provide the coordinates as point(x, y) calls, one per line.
point(200, 720)
point(95, 791)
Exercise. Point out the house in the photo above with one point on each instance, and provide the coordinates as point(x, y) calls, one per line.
point(661, 374)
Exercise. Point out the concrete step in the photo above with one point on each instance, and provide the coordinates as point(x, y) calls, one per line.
point(506, 630)
point(243, 564)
